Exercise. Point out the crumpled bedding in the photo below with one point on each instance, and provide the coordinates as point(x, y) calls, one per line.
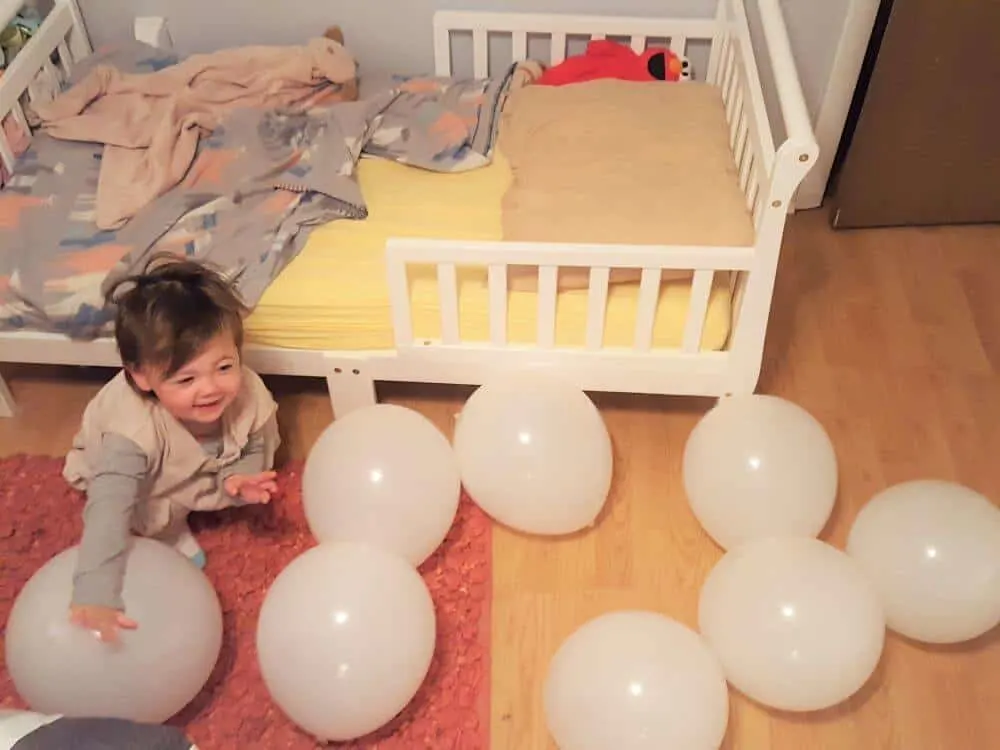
point(259, 179)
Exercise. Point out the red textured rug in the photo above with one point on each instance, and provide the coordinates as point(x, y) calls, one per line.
point(247, 548)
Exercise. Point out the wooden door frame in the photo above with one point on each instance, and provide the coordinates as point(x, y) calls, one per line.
point(858, 24)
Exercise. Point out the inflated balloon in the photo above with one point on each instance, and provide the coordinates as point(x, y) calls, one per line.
point(633, 680)
point(932, 549)
point(534, 453)
point(795, 622)
point(757, 466)
point(156, 670)
point(384, 475)
point(345, 638)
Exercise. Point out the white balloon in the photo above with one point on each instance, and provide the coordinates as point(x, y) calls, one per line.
point(758, 466)
point(795, 622)
point(383, 475)
point(345, 639)
point(634, 680)
point(932, 549)
point(534, 453)
point(59, 668)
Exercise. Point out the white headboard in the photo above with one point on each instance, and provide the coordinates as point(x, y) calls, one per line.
point(50, 54)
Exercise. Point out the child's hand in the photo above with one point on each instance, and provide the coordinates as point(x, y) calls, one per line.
point(104, 621)
point(252, 488)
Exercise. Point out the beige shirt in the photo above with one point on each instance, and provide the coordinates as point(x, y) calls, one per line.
point(181, 476)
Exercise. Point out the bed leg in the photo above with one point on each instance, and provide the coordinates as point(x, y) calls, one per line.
point(350, 389)
point(7, 405)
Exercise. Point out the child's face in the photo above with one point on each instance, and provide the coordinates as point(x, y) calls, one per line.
point(201, 390)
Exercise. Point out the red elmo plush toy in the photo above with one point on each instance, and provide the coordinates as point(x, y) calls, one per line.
point(607, 59)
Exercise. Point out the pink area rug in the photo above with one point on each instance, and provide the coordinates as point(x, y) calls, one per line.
point(247, 548)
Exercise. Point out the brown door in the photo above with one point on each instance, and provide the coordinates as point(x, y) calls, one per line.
point(926, 145)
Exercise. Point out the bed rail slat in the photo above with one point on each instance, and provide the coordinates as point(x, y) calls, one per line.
point(748, 166)
point(480, 53)
point(50, 70)
point(557, 53)
point(399, 296)
point(735, 120)
point(645, 318)
point(719, 57)
point(729, 74)
point(442, 50)
point(65, 59)
point(599, 35)
point(597, 306)
point(741, 140)
point(638, 43)
point(78, 41)
point(520, 48)
point(757, 200)
point(18, 112)
point(678, 44)
point(750, 81)
point(700, 290)
point(448, 297)
point(720, 40)
point(6, 153)
point(497, 274)
point(735, 105)
point(548, 277)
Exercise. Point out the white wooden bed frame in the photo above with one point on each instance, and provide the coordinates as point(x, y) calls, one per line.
point(769, 177)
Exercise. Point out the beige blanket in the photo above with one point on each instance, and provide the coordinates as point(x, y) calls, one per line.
point(151, 123)
point(612, 161)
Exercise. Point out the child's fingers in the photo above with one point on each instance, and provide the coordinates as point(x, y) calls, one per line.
point(255, 495)
point(127, 622)
point(108, 634)
point(269, 487)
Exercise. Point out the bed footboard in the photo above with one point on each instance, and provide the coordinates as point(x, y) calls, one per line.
point(768, 178)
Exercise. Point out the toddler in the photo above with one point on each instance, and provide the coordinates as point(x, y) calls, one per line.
point(184, 426)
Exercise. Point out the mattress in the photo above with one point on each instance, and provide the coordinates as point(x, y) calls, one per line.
point(334, 294)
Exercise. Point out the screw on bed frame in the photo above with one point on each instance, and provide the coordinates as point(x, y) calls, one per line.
point(775, 204)
point(803, 157)
point(337, 370)
point(356, 372)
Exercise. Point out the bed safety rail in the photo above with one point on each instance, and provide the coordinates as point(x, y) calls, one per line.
point(496, 257)
point(61, 35)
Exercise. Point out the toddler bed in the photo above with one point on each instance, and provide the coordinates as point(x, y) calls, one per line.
point(542, 248)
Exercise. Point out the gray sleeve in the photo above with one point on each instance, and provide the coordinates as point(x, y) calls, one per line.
point(252, 460)
point(255, 459)
point(107, 519)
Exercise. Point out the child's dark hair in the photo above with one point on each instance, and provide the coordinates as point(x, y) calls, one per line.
point(171, 311)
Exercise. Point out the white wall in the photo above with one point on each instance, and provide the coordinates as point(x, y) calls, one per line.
point(395, 34)
point(386, 34)
point(814, 29)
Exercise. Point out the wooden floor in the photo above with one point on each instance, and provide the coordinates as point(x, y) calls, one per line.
point(891, 338)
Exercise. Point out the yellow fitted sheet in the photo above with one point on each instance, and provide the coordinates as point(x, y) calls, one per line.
point(335, 296)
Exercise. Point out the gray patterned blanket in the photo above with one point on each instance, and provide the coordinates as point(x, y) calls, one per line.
point(257, 184)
